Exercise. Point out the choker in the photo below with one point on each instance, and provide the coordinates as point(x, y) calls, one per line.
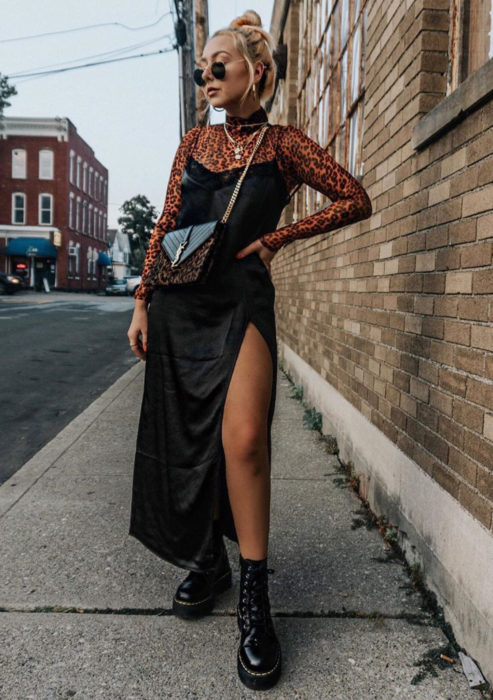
point(255, 119)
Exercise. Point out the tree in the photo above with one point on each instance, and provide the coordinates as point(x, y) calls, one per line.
point(138, 223)
point(6, 91)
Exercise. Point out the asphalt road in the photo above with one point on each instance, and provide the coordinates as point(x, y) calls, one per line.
point(59, 353)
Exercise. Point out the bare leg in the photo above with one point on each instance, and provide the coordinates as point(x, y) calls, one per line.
point(244, 436)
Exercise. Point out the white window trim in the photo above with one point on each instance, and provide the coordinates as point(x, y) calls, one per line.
point(71, 167)
point(12, 217)
point(52, 170)
point(40, 222)
point(84, 177)
point(19, 177)
point(77, 214)
point(84, 216)
point(77, 175)
point(71, 203)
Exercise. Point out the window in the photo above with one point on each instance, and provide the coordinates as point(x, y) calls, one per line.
point(92, 255)
point(100, 224)
point(19, 162)
point(96, 186)
point(331, 82)
point(104, 228)
point(46, 159)
point(471, 39)
point(45, 209)
point(95, 222)
point(71, 167)
point(18, 208)
point(84, 216)
point(73, 258)
point(84, 177)
point(90, 220)
point(77, 215)
point(71, 210)
point(79, 159)
point(91, 173)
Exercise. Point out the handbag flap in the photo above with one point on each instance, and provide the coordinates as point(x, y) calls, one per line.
point(197, 234)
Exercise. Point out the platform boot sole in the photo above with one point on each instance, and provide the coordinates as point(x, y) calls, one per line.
point(256, 680)
point(190, 611)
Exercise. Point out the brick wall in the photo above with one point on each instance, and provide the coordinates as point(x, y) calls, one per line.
point(396, 311)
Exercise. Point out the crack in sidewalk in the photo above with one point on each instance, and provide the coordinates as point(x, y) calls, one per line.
point(413, 618)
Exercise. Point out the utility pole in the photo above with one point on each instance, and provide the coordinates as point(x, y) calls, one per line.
point(201, 34)
point(185, 38)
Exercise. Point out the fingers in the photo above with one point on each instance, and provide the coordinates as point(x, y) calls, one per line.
point(137, 340)
point(137, 350)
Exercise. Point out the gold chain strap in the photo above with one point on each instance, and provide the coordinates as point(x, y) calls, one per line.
point(240, 181)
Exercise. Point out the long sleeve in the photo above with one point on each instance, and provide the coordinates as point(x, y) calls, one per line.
point(171, 209)
point(302, 159)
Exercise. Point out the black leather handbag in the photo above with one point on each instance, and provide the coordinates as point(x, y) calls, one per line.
point(187, 254)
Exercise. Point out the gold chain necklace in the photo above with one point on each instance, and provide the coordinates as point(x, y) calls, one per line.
point(238, 147)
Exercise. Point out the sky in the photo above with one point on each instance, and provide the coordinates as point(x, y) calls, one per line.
point(126, 111)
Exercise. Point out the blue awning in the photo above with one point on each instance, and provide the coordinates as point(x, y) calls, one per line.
point(103, 259)
point(39, 247)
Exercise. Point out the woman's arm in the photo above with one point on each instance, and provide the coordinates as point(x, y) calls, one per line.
point(303, 160)
point(172, 204)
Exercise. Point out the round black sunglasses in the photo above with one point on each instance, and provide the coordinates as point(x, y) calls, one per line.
point(218, 70)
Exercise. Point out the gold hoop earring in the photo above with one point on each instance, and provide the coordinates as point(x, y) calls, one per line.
point(253, 89)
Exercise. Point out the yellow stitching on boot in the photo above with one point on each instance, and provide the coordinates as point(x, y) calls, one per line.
point(198, 602)
point(256, 673)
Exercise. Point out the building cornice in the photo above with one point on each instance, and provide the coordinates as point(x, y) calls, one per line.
point(53, 127)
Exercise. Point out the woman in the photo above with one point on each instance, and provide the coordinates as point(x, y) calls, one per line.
point(202, 463)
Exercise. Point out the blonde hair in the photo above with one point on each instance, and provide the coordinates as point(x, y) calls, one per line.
point(254, 44)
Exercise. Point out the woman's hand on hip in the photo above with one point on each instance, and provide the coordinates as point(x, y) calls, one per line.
point(137, 332)
point(264, 253)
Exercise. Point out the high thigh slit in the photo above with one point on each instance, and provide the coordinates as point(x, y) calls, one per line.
point(195, 333)
point(194, 337)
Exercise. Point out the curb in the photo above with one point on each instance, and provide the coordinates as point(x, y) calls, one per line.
point(12, 490)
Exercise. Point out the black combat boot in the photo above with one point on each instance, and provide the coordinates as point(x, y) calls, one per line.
point(259, 653)
point(195, 595)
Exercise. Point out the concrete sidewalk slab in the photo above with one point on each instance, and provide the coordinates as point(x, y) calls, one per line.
point(80, 554)
point(134, 657)
point(65, 544)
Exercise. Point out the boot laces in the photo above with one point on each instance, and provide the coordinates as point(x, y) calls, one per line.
point(255, 606)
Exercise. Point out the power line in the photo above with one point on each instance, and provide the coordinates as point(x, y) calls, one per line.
point(114, 52)
point(81, 29)
point(88, 65)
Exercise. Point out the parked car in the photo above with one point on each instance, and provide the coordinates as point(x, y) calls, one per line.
point(9, 284)
point(117, 287)
point(132, 284)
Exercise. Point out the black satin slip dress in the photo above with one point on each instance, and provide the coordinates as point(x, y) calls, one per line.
point(194, 337)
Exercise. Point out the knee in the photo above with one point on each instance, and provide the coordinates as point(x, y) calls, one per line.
point(247, 444)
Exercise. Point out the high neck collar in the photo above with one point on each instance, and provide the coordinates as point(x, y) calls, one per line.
point(260, 115)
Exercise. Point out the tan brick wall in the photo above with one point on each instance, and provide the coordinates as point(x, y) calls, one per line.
point(396, 311)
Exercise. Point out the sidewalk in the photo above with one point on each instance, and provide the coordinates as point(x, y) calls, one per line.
point(86, 608)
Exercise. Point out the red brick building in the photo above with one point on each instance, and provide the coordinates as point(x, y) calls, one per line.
point(53, 205)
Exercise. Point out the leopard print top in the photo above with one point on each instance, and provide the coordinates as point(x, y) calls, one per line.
point(300, 159)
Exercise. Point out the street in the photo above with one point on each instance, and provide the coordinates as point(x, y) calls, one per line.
point(60, 352)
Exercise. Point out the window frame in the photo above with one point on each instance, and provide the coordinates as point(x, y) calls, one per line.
point(52, 163)
point(19, 177)
point(40, 209)
point(13, 210)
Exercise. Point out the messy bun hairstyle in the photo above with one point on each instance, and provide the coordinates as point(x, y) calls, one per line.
point(254, 44)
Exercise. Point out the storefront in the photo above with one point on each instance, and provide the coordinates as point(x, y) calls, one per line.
point(33, 259)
